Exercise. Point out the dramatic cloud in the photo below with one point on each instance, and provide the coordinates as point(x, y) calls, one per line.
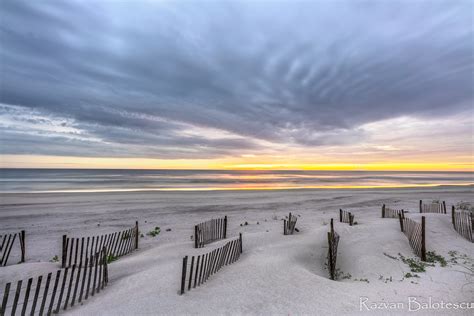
point(203, 79)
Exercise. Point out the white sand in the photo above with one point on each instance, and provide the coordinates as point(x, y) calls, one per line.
point(276, 274)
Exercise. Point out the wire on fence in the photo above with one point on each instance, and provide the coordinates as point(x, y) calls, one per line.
point(391, 213)
point(118, 244)
point(346, 217)
point(50, 293)
point(289, 225)
point(415, 232)
point(207, 232)
point(463, 223)
point(434, 207)
point(198, 270)
point(6, 245)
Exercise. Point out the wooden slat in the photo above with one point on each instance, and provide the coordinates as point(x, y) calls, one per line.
point(6, 293)
point(61, 292)
point(27, 295)
point(53, 294)
point(17, 296)
point(45, 293)
point(35, 298)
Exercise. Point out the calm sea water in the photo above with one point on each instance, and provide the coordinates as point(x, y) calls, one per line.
point(79, 180)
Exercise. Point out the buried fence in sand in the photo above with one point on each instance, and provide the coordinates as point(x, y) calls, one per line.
point(203, 266)
point(346, 217)
point(212, 230)
point(117, 244)
point(434, 207)
point(333, 242)
point(70, 286)
point(391, 213)
point(289, 225)
point(6, 245)
point(415, 233)
point(463, 223)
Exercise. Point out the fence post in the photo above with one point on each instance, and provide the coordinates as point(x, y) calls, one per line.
point(340, 215)
point(332, 226)
point(195, 236)
point(225, 227)
point(23, 246)
point(136, 234)
point(383, 211)
point(240, 238)
point(421, 202)
point(452, 217)
point(183, 274)
point(64, 254)
point(472, 225)
point(401, 221)
point(284, 227)
point(330, 266)
point(351, 218)
point(423, 239)
point(444, 206)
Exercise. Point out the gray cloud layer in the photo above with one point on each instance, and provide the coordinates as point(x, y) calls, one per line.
point(131, 76)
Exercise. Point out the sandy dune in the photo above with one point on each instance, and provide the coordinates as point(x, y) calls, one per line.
point(276, 274)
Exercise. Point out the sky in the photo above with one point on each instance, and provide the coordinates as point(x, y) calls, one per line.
point(365, 85)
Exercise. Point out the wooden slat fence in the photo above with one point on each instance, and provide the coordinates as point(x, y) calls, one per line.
point(198, 270)
point(289, 225)
point(433, 207)
point(6, 244)
point(463, 223)
point(415, 233)
point(51, 293)
point(346, 217)
point(207, 232)
point(391, 213)
point(76, 250)
point(333, 242)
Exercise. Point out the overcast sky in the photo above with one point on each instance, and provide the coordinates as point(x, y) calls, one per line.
point(214, 79)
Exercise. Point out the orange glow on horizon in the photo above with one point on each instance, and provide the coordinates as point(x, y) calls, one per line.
point(238, 163)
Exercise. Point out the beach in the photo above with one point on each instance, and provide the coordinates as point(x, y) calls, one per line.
point(276, 274)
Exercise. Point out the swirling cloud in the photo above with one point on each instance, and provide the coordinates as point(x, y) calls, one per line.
point(196, 79)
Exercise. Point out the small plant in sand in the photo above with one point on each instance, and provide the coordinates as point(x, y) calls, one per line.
point(111, 258)
point(155, 232)
point(54, 259)
point(409, 275)
point(433, 257)
point(340, 275)
point(414, 263)
point(362, 280)
point(391, 257)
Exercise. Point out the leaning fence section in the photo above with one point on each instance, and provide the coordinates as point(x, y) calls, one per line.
point(435, 207)
point(207, 232)
point(333, 242)
point(346, 217)
point(391, 213)
point(415, 232)
point(58, 291)
point(76, 250)
point(289, 225)
point(463, 223)
point(7, 242)
point(197, 271)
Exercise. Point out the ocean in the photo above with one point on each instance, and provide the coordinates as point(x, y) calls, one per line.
point(106, 180)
